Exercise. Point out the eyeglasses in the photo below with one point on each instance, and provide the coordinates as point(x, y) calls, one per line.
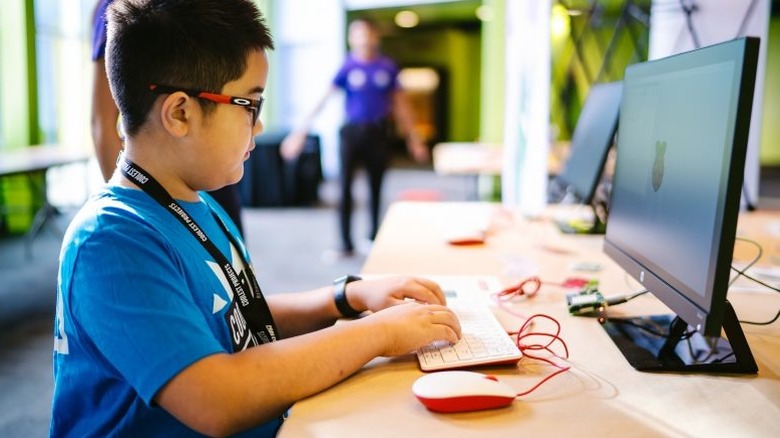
point(251, 104)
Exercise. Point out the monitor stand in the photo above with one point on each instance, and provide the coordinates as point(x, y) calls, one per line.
point(666, 343)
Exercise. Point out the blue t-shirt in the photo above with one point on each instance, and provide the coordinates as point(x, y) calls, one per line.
point(369, 87)
point(138, 300)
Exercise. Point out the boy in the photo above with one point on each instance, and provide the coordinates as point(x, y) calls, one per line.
point(105, 135)
point(161, 328)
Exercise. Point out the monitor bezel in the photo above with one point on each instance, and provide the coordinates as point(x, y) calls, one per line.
point(704, 314)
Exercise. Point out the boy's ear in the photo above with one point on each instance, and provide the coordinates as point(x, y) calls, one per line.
point(176, 113)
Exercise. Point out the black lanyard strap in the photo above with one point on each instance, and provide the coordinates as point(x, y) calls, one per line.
point(253, 309)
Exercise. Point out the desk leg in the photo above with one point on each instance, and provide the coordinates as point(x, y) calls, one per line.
point(474, 187)
point(46, 212)
point(42, 215)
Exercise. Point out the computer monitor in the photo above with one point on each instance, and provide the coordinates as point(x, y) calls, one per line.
point(592, 138)
point(590, 144)
point(681, 144)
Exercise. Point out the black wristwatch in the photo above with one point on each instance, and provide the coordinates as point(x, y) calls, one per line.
point(340, 295)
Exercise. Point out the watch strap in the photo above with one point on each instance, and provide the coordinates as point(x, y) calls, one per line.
point(340, 296)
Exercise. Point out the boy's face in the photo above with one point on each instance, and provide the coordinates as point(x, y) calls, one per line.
point(227, 135)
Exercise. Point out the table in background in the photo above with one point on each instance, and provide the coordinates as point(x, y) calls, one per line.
point(33, 160)
point(602, 395)
point(474, 160)
point(470, 160)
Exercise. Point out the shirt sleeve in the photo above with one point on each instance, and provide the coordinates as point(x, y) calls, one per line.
point(99, 30)
point(340, 80)
point(130, 297)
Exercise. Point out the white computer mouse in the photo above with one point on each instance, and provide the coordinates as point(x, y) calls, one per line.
point(462, 391)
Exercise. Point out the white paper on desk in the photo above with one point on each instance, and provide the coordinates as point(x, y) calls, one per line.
point(768, 274)
point(463, 289)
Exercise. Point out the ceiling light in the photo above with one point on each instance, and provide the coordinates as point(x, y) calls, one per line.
point(485, 13)
point(406, 19)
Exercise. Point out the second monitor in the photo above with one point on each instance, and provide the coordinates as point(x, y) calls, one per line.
point(590, 144)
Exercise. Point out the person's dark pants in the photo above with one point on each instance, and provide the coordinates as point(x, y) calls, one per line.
point(366, 144)
point(229, 198)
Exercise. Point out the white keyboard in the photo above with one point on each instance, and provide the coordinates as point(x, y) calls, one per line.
point(484, 342)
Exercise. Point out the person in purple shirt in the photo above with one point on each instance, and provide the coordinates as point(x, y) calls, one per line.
point(369, 80)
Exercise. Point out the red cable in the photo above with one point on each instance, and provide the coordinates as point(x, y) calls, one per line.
point(529, 288)
point(531, 285)
point(525, 332)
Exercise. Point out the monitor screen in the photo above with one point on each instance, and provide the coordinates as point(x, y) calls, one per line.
point(682, 138)
point(593, 136)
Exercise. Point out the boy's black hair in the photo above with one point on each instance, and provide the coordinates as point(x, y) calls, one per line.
point(196, 44)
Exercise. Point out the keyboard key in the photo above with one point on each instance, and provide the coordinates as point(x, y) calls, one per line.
point(448, 354)
point(484, 341)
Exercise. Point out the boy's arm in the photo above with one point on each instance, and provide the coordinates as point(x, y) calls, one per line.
point(227, 393)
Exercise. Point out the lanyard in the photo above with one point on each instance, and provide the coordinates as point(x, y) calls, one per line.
point(249, 317)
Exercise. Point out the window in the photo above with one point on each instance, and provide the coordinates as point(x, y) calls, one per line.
point(63, 42)
point(62, 39)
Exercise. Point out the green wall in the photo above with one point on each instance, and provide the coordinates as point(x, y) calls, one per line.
point(17, 74)
point(18, 110)
point(570, 84)
point(456, 52)
point(770, 128)
point(575, 69)
point(491, 128)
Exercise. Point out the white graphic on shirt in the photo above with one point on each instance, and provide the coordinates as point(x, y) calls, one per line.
point(222, 279)
point(60, 338)
point(219, 304)
point(238, 265)
point(356, 79)
point(381, 78)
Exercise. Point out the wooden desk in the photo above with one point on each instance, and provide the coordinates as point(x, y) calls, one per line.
point(34, 159)
point(602, 395)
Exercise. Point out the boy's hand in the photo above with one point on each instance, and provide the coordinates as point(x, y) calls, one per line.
point(410, 326)
point(381, 293)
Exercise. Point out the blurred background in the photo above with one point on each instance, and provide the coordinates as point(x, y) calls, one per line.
point(454, 57)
